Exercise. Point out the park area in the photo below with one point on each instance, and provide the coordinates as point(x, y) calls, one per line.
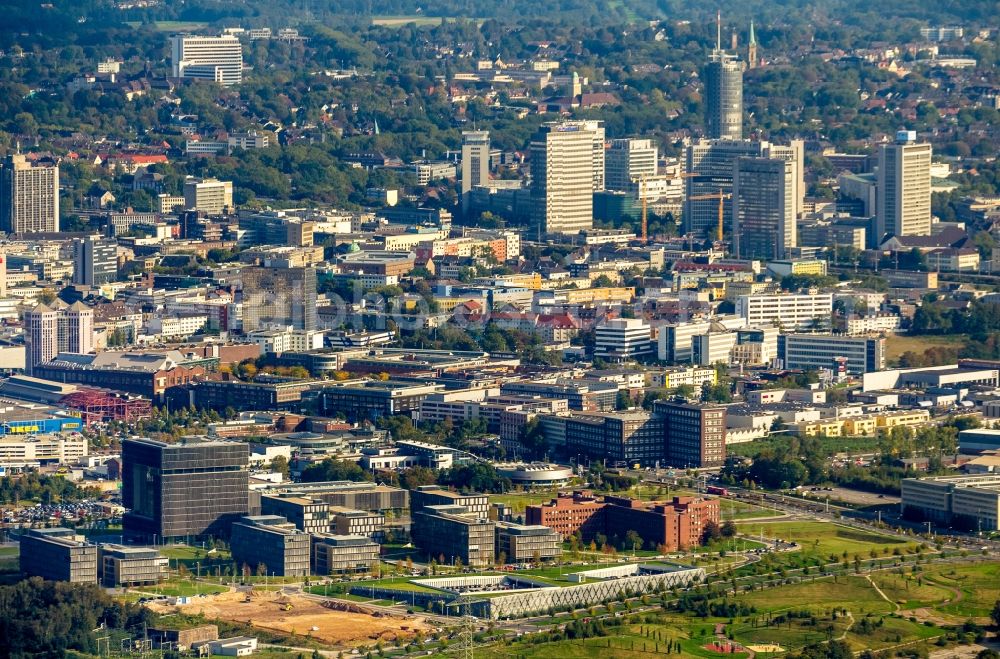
point(302, 616)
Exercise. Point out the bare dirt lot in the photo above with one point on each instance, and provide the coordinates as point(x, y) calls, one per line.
point(299, 615)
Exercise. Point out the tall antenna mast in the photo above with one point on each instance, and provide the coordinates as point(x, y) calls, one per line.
point(718, 30)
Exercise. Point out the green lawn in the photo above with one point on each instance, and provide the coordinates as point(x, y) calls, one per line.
point(911, 590)
point(825, 538)
point(975, 588)
point(897, 344)
point(173, 26)
point(182, 588)
point(398, 21)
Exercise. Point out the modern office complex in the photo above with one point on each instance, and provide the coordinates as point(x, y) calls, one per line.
point(189, 488)
point(627, 161)
point(336, 554)
point(96, 261)
point(903, 204)
point(623, 339)
point(788, 311)
point(475, 162)
point(309, 515)
point(453, 534)
point(209, 195)
point(432, 495)
point(970, 502)
point(58, 554)
point(278, 297)
point(519, 543)
point(29, 196)
point(563, 176)
point(119, 565)
point(710, 167)
point(620, 438)
point(271, 541)
point(814, 351)
point(695, 434)
point(219, 59)
point(764, 208)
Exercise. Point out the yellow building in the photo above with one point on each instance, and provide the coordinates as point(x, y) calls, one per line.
point(903, 418)
point(861, 425)
point(828, 427)
point(590, 295)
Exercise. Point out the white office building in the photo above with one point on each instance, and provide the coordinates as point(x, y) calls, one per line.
point(219, 59)
point(627, 161)
point(623, 339)
point(903, 199)
point(791, 311)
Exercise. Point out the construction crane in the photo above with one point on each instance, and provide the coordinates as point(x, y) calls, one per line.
point(721, 196)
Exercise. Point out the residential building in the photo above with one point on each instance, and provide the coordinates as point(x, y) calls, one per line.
point(789, 311)
point(815, 351)
point(278, 298)
point(520, 543)
point(339, 553)
point(695, 434)
point(210, 196)
point(764, 208)
point(29, 196)
point(969, 502)
point(58, 554)
point(629, 160)
point(96, 261)
point(273, 542)
point(623, 339)
point(475, 162)
point(453, 534)
point(563, 172)
point(904, 188)
point(120, 565)
point(427, 171)
point(684, 375)
point(192, 487)
point(219, 59)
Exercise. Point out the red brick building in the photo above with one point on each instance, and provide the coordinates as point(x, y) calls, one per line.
point(676, 524)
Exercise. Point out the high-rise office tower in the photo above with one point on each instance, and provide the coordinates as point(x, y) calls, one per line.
point(41, 336)
point(628, 160)
point(52, 329)
point(278, 298)
point(563, 177)
point(96, 261)
point(187, 488)
point(723, 93)
point(903, 197)
point(475, 162)
point(76, 329)
point(764, 208)
point(29, 196)
point(711, 167)
point(219, 59)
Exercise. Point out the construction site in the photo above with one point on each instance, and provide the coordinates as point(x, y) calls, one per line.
point(336, 622)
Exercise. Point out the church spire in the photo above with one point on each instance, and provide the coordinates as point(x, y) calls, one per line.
point(752, 48)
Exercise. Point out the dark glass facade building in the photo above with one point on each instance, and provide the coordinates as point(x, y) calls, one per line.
point(187, 488)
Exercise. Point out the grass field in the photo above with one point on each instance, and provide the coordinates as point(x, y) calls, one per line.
point(183, 587)
point(974, 588)
point(397, 21)
point(824, 538)
point(897, 344)
point(911, 590)
point(173, 26)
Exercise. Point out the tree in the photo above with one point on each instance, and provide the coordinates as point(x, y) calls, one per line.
point(633, 539)
point(729, 529)
point(332, 469)
point(710, 532)
point(280, 465)
point(995, 614)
